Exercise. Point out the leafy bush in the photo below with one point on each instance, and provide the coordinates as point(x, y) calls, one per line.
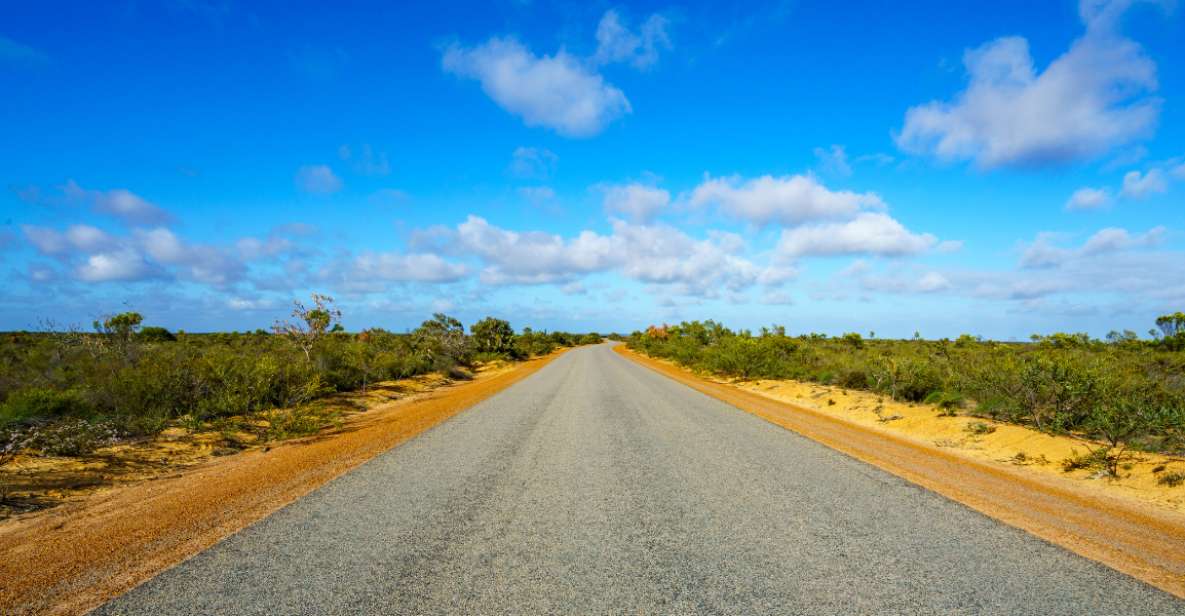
point(1125, 392)
point(43, 402)
point(69, 391)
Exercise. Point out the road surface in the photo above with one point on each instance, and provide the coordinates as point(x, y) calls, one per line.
point(598, 486)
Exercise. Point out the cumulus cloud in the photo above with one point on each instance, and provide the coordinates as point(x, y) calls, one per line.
point(617, 43)
point(532, 257)
point(657, 255)
point(785, 200)
point(120, 203)
point(1094, 97)
point(1137, 186)
point(99, 256)
point(399, 267)
point(1089, 199)
point(639, 202)
point(559, 91)
point(124, 264)
point(198, 262)
point(660, 254)
point(47, 241)
point(317, 180)
point(1045, 252)
point(871, 233)
point(537, 194)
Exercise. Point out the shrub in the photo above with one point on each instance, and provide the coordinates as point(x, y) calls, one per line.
point(41, 402)
point(493, 336)
point(1127, 393)
point(1172, 479)
point(155, 334)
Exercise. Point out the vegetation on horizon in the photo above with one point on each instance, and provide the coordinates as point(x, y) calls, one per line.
point(1123, 392)
point(70, 392)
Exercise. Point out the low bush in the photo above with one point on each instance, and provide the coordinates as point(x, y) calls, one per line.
point(1125, 392)
point(67, 392)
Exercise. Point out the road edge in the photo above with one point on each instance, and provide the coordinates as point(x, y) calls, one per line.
point(73, 560)
point(1144, 544)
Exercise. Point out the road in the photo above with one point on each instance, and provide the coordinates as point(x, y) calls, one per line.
point(598, 486)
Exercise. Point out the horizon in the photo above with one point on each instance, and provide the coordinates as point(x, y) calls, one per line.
point(601, 167)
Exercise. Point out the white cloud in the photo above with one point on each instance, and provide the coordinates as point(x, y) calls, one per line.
point(617, 43)
point(533, 163)
point(120, 265)
point(1137, 186)
point(1044, 252)
point(558, 92)
point(932, 281)
point(240, 303)
point(1089, 199)
point(833, 160)
point(84, 238)
point(532, 257)
point(88, 238)
point(121, 203)
point(1178, 172)
point(869, 233)
point(1113, 239)
point(785, 200)
point(397, 267)
point(46, 241)
point(639, 202)
point(664, 255)
point(198, 262)
point(1094, 97)
point(252, 248)
point(658, 255)
point(905, 282)
point(317, 180)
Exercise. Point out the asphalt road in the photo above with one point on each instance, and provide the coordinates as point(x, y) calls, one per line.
point(598, 486)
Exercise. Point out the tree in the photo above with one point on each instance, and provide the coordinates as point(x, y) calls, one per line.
point(117, 334)
point(1173, 328)
point(312, 325)
point(492, 335)
point(442, 341)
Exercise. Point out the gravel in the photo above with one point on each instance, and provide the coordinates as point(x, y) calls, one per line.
point(598, 486)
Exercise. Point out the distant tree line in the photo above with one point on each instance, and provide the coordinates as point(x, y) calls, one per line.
point(1126, 392)
point(68, 390)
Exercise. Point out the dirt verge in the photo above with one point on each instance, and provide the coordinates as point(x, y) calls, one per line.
point(71, 559)
point(1135, 538)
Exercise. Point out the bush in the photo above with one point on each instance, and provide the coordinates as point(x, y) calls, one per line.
point(1172, 479)
point(1126, 393)
point(41, 402)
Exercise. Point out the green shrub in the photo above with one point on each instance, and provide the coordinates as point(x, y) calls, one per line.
point(1127, 393)
point(40, 402)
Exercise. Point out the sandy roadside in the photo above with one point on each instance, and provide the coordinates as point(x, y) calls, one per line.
point(72, 558)
point(1131, 535)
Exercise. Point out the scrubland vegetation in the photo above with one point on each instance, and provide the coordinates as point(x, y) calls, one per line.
point(1123, 393)
point(70, 392)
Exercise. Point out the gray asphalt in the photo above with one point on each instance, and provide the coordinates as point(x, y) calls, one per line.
point(597, 486)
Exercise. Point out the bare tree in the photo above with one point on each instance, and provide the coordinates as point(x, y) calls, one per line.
point(312, 324)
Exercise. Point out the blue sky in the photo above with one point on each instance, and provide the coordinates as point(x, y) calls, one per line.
point(942, 167)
